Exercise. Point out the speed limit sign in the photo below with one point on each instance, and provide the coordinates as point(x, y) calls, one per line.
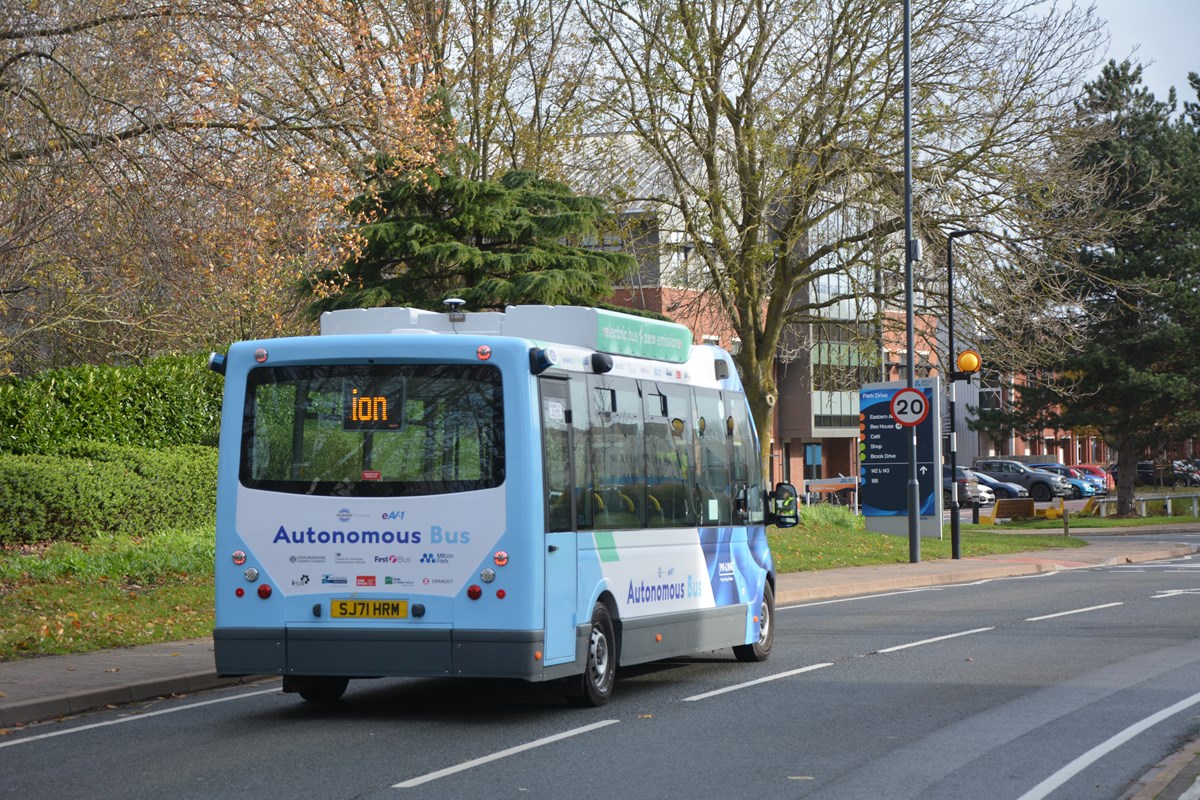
point(909, 407)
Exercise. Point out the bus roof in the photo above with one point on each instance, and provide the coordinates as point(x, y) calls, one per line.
point(594, 328)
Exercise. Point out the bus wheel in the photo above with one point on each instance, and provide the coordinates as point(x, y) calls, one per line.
point(758, 651)
point(317, 689)
point(594, 687)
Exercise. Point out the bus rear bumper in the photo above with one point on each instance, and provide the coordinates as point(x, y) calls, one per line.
point(362, 653)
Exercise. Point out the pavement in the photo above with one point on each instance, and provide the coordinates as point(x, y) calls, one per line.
point(53, 688)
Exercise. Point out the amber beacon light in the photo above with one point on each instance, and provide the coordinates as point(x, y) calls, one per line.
point(969, 362)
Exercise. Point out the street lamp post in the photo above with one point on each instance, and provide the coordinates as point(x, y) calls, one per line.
point(955, 543)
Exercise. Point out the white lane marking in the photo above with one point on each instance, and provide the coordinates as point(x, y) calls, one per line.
point(1173, 593)
point(1104, 748)
point(935, 639)
point(1068, 613)
point(747, 684)
point(914, 590)
point(466, 765)
point(853, 599)
point(136, 717)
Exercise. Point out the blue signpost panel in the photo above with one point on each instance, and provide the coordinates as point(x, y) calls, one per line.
point(883, 452)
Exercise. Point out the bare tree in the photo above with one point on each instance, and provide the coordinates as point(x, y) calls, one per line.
point(168, 166)
point(774, 128)
point(515, 73)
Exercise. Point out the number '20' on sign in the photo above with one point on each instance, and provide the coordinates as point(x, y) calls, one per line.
point(909, 407)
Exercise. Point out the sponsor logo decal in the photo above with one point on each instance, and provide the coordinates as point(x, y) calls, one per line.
point(333, 579)
point(725, 571)
point(364, 580)
point(301, 581)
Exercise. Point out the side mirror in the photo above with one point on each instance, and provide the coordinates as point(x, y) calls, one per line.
point(785, 510)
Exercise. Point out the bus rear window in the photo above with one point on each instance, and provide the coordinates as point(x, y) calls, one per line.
point(373, 430)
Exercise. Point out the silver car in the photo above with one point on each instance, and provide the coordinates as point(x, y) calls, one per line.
point(1042, 485)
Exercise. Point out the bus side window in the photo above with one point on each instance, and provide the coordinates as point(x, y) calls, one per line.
point(712, 487)
point(581, 424)
point(556, 448)
point(745, 461)
point(669, 445)
point(618, 458)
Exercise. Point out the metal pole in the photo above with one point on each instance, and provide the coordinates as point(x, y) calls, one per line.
point(955, 545)
point(914, 493)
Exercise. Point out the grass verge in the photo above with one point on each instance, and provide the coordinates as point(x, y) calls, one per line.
point(107, 592)
point(832, 537)
point(120, 591)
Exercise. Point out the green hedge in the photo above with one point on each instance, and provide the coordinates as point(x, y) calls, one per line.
point(86, 489)
point(171, 400)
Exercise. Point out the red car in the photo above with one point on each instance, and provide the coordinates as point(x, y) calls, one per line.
point(1099, 472)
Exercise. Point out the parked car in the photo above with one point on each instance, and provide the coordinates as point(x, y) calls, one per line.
point(1097, 472)
point(1041, 485)
point(1002, 490)
point(1151, 474)
point(1081, 487)
point(1189, 469)
point(968, 487)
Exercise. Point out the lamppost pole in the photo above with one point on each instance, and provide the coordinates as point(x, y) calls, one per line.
point(955, 543)
point(911, 254)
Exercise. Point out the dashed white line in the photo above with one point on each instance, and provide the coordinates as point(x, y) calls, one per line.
point(935, 639)
point(1173, 593)
point(767, 679)
point(136, 717)
point(1074, 611)
point(521, 748)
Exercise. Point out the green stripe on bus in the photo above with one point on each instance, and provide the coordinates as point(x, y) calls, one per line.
point(607, 546)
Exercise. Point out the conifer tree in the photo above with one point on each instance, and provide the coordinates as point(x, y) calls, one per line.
point(1136, 377)
point(426, 236)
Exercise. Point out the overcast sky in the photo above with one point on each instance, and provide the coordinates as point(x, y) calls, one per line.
point(1163, 31)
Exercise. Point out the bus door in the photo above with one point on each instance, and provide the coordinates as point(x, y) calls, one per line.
point(561, 547)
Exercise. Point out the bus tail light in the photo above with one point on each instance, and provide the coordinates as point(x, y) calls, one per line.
point(264, 591)
point(474, 591)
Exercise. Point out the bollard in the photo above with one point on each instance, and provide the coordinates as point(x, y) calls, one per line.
point(975, 512)
point(1066, 520)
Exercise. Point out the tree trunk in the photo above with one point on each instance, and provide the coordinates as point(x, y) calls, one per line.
point(1126, 475)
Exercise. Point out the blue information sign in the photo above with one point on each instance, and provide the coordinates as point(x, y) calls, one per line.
point(883, 454)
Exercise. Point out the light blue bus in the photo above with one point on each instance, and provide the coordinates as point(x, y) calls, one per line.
point(543, 493)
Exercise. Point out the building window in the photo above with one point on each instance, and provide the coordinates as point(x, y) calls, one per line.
point(812, 462)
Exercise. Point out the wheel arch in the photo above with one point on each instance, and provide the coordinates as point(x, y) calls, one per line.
point(607, 600)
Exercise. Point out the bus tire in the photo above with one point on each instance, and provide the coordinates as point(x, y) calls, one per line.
point(594, 687)
point(321, 689)
point(758, 651)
